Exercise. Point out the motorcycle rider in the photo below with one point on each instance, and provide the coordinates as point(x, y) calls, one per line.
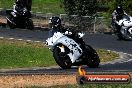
point(56, 26)
point(117, 15)
point(20, 4)
point(17, 6)
point(25, 3)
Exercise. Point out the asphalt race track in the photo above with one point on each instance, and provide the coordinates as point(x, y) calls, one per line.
point(110, 42)
point(105, 41)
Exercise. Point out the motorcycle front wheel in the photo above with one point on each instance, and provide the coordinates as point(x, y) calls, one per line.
point(61, 58)
point(127, 36)
point(10, 25)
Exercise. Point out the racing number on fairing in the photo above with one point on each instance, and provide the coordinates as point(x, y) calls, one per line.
point(72, 45)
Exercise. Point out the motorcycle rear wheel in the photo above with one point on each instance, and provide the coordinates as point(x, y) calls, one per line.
point(93, 58)
point(62, 59)
point(29, 24)
point(120, 36)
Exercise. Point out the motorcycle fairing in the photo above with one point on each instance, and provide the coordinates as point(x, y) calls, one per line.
point(130, 30)
point(126, 25)
point(126, 21)
point(75, 50)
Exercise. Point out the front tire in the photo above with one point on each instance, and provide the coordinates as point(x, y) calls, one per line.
point(10, 25)
point(61, 58)
point(127, 36)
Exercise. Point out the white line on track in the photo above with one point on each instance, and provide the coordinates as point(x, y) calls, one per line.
point(1, 37)
point(28, 40)
point(37, 41)
point(20, 39)
point(126, 61)
point(11, 38)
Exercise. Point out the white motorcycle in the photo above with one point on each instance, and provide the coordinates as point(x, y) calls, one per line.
point(67, 52)
point(125, 32)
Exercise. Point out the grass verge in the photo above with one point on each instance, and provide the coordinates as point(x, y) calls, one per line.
point(18, 54)
point(14, 54)
point(107, 55)
point(45, 6)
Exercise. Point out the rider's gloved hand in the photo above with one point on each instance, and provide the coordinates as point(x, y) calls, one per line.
point(80, 35)
point(116, 22)
point(68, 33)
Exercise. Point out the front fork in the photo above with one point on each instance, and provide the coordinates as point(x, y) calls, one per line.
point(61, 48)
point(10, 20)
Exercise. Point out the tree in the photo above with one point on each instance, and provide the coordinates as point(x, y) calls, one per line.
point(109, 5)
point(80, 7)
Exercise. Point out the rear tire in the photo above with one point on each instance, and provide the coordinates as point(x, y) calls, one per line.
point(93, 58)
point(29, 24)
point(120, 37)
point(62, 59)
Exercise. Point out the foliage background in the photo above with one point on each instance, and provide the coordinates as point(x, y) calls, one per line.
point(80, 7)
point(98, 8)
point(44, 6)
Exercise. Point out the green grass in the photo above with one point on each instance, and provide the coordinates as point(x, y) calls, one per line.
point(45, 6)
point(14, 54)
point(19, 54)
point(107, 55)
point(6, 4)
